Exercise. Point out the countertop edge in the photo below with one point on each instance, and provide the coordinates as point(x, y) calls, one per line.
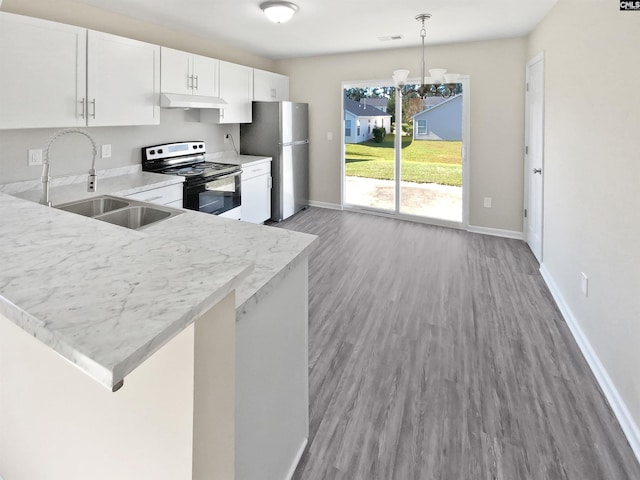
point(250, 303)
point(144, 352)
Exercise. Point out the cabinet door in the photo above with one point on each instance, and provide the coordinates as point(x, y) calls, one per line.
point(281, 87)
point(236, 88)
point(175, 71)
point(256, 199)
point(123, 81)
point(42, 73)
point(269, 86)
point(206, 76)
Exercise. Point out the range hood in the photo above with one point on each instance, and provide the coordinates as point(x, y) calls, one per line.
point(176, 100)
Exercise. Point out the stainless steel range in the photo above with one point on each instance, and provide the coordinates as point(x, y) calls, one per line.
point(208, 187)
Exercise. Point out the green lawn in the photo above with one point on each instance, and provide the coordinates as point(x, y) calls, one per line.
point(423, 161)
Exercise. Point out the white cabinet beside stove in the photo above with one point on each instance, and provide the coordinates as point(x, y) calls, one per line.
point(189, 74)
point(170, 195)
point(236, 88)
point(256, 191)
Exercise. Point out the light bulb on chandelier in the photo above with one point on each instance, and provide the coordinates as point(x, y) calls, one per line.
point(438, 83)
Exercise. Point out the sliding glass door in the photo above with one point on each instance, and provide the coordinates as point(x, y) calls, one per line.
point(403, 154)
point(369, 160)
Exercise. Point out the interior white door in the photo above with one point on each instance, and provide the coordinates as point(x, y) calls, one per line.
point(534, 155)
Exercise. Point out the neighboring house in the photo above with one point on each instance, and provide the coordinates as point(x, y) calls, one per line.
point(440, 122)
point(360, 120)
point(379, 103)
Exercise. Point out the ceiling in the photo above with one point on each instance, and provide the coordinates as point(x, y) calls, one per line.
point(337, 26)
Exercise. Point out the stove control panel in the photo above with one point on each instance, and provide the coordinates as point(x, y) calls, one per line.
point(172, 150)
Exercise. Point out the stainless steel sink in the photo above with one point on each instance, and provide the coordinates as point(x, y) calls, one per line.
point(94, 206)
point(135, 217)
point(122, 212)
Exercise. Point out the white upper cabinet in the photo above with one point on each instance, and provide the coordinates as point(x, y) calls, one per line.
point(269, 86)
point(42, 73)
point(236, 88)
point(189, 74)
point(56, 75)
point(123, 81)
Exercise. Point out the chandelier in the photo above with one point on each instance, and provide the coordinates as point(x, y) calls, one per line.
point(438, 83)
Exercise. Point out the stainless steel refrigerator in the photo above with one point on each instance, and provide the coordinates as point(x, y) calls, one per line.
point(280, 130)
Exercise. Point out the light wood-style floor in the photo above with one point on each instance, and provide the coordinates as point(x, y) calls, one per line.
point(440, 354)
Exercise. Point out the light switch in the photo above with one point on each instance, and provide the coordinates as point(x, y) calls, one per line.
point(487, 202)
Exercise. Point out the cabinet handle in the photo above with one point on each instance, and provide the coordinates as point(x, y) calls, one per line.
point(189, 82)
point(82, 111)
point(273, 93)
point(93, 113)
point(152, 199)
point(196, 82)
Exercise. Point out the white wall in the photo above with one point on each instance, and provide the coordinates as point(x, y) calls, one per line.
point(592, 177)
point(496, 69)
point(72, 155)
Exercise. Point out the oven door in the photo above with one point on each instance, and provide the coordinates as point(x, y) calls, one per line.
point(215, 196)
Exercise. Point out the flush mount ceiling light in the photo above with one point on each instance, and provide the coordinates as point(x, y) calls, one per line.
point(439, 83)
point(279, 12)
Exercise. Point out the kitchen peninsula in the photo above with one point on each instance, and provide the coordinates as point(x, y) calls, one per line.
point(156, 306)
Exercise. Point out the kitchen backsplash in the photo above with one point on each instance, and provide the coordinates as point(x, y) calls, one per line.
point(72, 153)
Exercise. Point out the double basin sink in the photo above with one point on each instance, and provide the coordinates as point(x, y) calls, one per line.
point(120, 211)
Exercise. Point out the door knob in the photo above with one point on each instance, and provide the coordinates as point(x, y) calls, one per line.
point(537, 170)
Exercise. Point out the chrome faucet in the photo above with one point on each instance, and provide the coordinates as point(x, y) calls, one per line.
point(46, 163)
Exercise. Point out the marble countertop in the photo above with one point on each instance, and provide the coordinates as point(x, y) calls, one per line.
point(121, 181)
point(102, 296)
point(106, 298)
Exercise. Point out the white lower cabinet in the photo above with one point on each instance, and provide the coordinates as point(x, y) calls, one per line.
point(256, 192)
point(170, 196)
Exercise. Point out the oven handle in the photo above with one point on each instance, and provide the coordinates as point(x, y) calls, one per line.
point(232, 174)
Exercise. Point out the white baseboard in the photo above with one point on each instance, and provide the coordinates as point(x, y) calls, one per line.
point(296, 460)
point(496, 232)
point(331, 206)
point(620, 410)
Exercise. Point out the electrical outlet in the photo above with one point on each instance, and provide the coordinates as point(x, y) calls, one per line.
point(106, 151)
point(227, 138)
point(487, 202)
point(330, 136)
point(34, 157)
point(584, 284)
